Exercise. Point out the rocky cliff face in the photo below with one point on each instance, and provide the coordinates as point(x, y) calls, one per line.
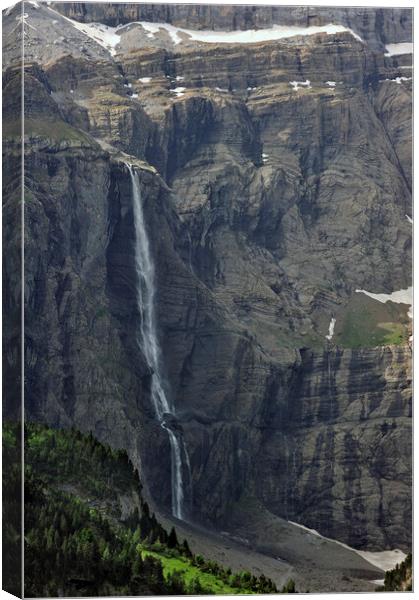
point(276, 181)
point(344, 425)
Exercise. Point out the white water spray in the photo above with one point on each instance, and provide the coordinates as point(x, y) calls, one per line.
point(150, 346)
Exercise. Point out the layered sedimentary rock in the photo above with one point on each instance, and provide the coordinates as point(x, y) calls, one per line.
point(347, 421)
point(276, 180)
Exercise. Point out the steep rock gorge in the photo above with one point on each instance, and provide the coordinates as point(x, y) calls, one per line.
point(276, 180)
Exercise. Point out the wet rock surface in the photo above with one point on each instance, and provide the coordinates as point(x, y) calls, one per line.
point(276, 180)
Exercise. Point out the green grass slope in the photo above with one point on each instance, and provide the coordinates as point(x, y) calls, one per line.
point(367, 323)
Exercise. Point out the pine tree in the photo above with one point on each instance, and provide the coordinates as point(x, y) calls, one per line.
point(185, 548)
point(138, 566)
point(172, 539)
point(289, 588)
point(145, 509)
point(163, 536)
point(195, 588)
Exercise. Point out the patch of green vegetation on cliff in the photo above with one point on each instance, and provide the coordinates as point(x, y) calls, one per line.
point(110, 97)
point(89, 532)
point(55, 130)
point(367, 323)
point(193, 575)
point(396, 333)
point(399, 579)
point(200, 575)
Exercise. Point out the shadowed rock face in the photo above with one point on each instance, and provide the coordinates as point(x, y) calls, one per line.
point(267, 204)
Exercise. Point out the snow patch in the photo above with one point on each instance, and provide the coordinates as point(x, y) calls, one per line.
point(102, 34)
point(145, 79)
point(399, 48)
point(134, 95)
point(223, 90)
point(154, 28)
point(105, 36)
point(179, 78)
point(252, 36)
point(331, 329)
point(398, 79)
point(385, 560)
point(331, 84)
point(179, 91)
point(399, 297)
point(109, 37)
point(296, 85)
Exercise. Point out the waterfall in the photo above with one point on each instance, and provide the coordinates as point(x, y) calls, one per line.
point(150, 346)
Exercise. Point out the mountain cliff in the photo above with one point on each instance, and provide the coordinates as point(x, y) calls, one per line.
point(276, 186)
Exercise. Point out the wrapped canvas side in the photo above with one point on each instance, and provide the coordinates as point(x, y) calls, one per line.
point(207, 245)
point(12, 303)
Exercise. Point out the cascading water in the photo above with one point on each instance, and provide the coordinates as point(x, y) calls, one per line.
point(151, 349)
